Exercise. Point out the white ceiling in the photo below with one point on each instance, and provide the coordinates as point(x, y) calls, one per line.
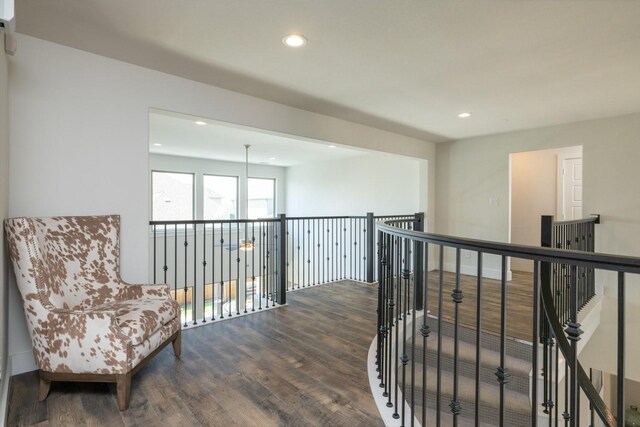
point(179, 135)
point(407, 66)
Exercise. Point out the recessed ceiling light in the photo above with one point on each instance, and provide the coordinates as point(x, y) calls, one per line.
point(332, 146)
point(294, 40)
point(201, 123)
point(464, 115)
point(157, 144)
point(272, 158)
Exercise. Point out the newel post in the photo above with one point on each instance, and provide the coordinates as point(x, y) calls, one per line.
point(546, 241)
point(282, 264)
point(371, 242)
point(418, 262)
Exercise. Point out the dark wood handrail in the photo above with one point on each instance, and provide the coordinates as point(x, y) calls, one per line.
point(534, 253)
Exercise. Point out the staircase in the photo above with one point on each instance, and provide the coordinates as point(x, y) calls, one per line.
point(518, 362)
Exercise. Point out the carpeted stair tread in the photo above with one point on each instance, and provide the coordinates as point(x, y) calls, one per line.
point(467, 352)
point(489, 393)
point(517, 361)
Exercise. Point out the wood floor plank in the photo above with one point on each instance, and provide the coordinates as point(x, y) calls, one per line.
point(300, 364)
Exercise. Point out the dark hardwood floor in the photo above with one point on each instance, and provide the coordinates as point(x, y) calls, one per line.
point(302, 364)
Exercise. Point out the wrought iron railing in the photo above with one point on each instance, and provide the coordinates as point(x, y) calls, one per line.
point(577, 235)
point(219, 269)
point(407, 350)
point(223, 268)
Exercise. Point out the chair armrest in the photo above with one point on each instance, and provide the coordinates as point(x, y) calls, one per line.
point(127, 291)
point(86, 342)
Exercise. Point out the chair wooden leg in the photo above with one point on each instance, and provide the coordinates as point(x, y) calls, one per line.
point(123, 383)
point(45, 385)
point(177, 345)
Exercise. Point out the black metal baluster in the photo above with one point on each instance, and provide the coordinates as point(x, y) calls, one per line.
point(359, 224)
point(213, 271)
point(573, 335)
point(592, 421)
point(439, 357)
point(351, 246)
point(344, 249)
point(246, 266)
point(385, 302)
point(328, 249)
point(456, 297)
point(413, 348)
point(253, 266)
point(261, 265)
point(425, 330)
point(304, 257)
point(230, 249)
point(391, 303)
point(186, 244)
point(237, 268)
point(380, 329)
point(267, 264)
point(399, 311)
point(319, 235)
point(277, 235)
point(164, 266)
point(155, 237)
point(222, 270)
point(534, 354)
point(404, 282)
point(314, 263)
point(620, 388)
point(556, 394)
point(299, 263)
point(175, 263)
point(321, 229)
point(502, 373)
point(566, 415)
point(308, 252)
point(195, 276)
point(479, 337)
point(334, 247)
point(204, 273)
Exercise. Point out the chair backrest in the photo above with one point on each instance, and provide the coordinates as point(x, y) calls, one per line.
point(71, 262)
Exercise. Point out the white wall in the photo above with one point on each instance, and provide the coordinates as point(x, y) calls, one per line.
point(79, 142)
point(4, 212)
point(201, 167)
point(378, 183)
point(534, 192)
point(470, 171)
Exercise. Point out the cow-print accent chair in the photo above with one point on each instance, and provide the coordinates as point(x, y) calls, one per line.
point(86, 324)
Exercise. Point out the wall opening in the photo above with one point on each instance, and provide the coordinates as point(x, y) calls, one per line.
point(543, 182)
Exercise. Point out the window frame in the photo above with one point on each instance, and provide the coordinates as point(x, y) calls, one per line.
point(275, 204)
point(237, 193)
point(193, 192)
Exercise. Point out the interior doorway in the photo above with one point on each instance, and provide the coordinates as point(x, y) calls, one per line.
point(570, 193)
point(543, 182)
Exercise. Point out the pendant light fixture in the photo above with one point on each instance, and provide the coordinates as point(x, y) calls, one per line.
point(245, 244)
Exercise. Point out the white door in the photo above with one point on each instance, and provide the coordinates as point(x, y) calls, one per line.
point(572, 189)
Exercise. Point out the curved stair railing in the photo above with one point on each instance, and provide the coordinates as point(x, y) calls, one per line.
point(426, 369)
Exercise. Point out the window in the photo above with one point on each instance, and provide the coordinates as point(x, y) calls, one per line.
point(172, 194)
point(220, 197)
point(261, 197)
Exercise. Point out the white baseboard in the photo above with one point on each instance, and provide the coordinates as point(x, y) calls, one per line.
point(470, 270)
point(21, 362)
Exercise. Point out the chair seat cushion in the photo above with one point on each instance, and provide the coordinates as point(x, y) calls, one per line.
point(141, 318)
